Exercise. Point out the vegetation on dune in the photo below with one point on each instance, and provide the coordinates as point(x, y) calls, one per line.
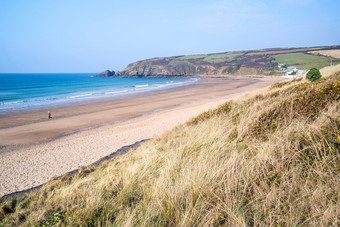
point(208, 114)
point(268, 159)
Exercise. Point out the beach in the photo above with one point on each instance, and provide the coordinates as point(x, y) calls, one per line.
point(33, 149)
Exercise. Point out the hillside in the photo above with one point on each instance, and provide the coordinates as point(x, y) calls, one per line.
point(266, 159)
point(263, 62)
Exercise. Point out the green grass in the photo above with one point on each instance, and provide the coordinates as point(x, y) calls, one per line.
point(214, 58)
point(222, 57)
point(188, 57)
point(304, 61)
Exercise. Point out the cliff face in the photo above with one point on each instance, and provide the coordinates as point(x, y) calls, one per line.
point(160, 68)
point(212, 64)
point(232, 63)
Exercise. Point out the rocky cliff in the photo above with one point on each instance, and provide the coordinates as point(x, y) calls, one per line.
point(228, 63)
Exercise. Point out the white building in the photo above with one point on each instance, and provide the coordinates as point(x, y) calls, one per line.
point(291, 72)
point(301, 72)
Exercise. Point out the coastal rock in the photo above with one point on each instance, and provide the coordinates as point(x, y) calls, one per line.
point(106, 73)
point(159, 68)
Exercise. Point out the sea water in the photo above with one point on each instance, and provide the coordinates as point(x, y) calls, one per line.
point(31, 91)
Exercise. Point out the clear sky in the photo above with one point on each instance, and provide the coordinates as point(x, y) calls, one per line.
point(94, 35)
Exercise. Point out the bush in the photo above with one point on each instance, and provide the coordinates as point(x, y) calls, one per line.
point(313, 74)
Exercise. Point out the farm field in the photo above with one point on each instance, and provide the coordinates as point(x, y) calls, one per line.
point(305, 61)
point(331, 53)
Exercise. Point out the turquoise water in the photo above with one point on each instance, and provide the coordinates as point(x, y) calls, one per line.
point(25, 92)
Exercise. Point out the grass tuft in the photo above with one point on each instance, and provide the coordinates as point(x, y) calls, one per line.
point(225, 108)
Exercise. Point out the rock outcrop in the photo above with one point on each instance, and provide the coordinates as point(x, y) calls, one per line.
point(106, 73)
point(206, 65)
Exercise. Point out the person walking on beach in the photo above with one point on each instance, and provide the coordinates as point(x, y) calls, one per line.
point(49, 115)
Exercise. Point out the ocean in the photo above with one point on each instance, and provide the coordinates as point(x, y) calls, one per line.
point(35, 91)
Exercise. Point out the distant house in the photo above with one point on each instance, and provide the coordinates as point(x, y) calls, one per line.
point(291, 72)
point(291, 69)
point(301, 72)
point(282, 67)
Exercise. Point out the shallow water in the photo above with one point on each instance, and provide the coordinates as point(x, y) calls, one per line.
point(29, 91)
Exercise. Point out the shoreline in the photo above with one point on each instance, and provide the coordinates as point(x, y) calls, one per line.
point(14, 133)
point(109, 89)
point(38, 153)
point(99, 93)
point(200, 79)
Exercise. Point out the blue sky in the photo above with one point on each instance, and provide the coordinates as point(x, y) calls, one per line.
point(91, 36)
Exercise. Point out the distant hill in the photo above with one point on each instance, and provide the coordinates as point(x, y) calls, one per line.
point(252, 62)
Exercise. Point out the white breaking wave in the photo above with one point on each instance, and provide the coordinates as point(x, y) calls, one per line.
point(116, 92)
point(170, 84)
point(6, 103)
point(143, 85)
point(77, 96)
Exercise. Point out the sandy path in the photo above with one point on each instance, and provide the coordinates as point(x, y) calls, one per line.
point(29, 166)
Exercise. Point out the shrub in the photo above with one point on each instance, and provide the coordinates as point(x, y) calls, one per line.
point(313, 74)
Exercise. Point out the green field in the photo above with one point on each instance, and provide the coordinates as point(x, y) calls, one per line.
point(222, 57)
point(213, 58)
point(304, 61)
point(188, 57)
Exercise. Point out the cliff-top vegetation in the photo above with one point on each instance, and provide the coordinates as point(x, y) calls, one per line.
point(266, 159)
point(264, 62)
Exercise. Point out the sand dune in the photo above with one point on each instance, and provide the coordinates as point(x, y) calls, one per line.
point(34, 149)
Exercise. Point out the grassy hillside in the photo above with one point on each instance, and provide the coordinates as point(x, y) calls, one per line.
point(214, 58)
point(266, 159)
point(304, 61)
point(241, 62)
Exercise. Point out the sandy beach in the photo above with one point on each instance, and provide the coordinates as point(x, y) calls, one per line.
point(33, 149)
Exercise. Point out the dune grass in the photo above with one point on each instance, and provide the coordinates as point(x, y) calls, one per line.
point(266, 159)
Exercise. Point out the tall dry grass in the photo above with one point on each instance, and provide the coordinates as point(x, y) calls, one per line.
point(266, 159)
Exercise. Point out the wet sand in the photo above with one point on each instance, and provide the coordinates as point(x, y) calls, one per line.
point(33, 149)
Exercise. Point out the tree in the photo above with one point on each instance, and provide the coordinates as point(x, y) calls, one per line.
point(313, 74)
